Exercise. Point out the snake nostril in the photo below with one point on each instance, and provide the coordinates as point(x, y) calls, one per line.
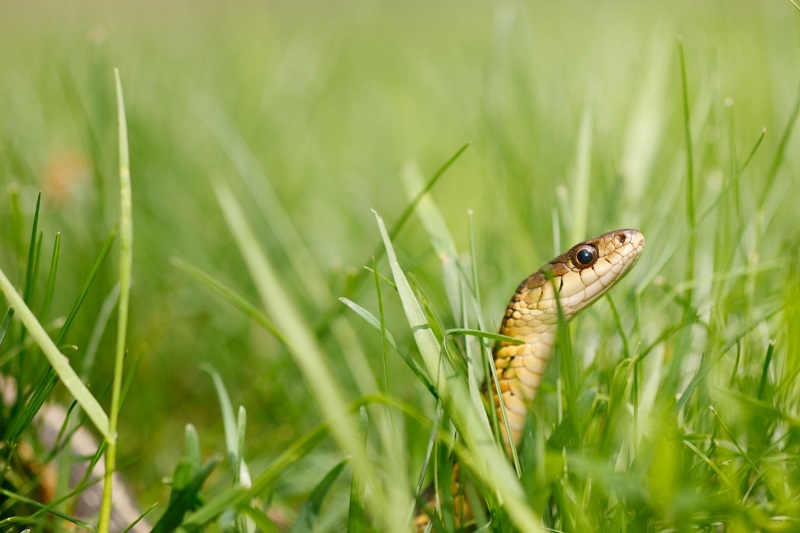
point(622, 238)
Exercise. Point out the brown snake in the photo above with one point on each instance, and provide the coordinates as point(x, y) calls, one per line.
point(571, 282)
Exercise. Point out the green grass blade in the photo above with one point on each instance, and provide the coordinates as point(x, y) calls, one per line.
point(409, 210)
point(36, 264)
point(357, 519)
point(437, 231)
point(106, 310)
point(375, 323)
point(385, 337)
point(184, 498)
point(234, 298)
point(401, 222)
point(488, 461)
point(568, 374)
point(31, 268)
point(221, 503)
point(35, 400)
point(762, 385)
point(763, 409)
point(125, 268)
point(426, 341)
point(237, 495)
point(370, 319)
point(780, 153)
point(241, 474)
point(6, 323)
point(483, 335)
point(228, 417)
point(308, 514)
point(104, 251)
point(262, 191)
point(307, 353)
point(759, 474)
point(445, 249)
point(56, 359)
point(261, 521)
point(708, 461)
point(690, 216)
point(193, 453)
point(34, 503)
point(51, 279)
point(312, 286)
point(140, 518)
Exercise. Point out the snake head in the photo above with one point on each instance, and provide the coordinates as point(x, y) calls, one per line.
point(581, 275)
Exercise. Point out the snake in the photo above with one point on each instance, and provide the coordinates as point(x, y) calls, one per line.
point(554, 294)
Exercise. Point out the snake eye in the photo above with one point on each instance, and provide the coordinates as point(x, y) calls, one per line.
point(584, 256)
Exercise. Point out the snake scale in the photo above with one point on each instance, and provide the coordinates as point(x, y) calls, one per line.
point(571, 282)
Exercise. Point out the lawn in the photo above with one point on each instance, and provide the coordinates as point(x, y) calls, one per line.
point(285, 258)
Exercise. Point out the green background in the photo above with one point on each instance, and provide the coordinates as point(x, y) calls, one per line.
point(574, 111)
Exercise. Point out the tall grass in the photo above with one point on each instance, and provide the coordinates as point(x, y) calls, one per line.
point(260, 139)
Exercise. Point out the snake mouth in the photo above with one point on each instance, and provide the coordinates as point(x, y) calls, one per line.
point(630, 236)
point(620, 250)
point(634, 239)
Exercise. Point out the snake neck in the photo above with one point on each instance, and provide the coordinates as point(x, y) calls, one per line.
point(520, 368)
point(531, 316)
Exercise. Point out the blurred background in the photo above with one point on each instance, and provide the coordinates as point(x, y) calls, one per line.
point(310, 110)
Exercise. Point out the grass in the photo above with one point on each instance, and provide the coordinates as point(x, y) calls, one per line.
point(296, 360)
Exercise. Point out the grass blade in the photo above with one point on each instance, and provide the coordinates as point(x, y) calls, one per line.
point(357, 520)
point(125, 267)
point(485, 458)
point(51, 279)
point(375, 323)
point(354, 283)
point(233, 298)
point(687, 126)
point(228, 417)
point(30, 271)
point(57, 360)
point(308, 514)
point(6, 323)
point(307, 354)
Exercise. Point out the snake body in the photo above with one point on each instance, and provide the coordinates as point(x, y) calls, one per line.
point(571, 282)
point(579, 277)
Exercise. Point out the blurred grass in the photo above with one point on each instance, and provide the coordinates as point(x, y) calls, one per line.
point(309, 111)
